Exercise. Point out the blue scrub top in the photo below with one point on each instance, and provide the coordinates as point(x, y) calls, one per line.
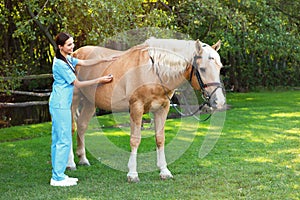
point(62, 88)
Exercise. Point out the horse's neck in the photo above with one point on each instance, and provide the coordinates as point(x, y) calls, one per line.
point(182, 48)
point(173, 83)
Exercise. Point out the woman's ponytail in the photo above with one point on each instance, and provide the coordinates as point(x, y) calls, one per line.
point(60, 39)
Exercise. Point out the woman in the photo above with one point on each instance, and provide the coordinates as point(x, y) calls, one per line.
point(60, 105)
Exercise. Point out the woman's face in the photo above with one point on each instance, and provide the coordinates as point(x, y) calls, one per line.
point(68, 46)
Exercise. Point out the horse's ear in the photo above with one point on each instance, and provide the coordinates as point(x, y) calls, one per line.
point(217, 46)
point(198, 47)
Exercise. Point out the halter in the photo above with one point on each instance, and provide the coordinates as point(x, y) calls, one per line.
point(205, 95)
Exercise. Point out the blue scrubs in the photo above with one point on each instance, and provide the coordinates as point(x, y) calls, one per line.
point(60, 110)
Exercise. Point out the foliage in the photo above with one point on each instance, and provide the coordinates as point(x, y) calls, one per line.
point(260, 38)
point(256, 157)
point(260, 45)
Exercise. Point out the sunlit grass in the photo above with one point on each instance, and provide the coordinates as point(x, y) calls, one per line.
point(293, 114)
point(259, 160)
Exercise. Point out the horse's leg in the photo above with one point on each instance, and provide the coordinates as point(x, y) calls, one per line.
point(159, 120)
point(136, 113)
point(86, 113)
point(71, 163)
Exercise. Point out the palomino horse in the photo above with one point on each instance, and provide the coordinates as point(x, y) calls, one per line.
point(144, 80)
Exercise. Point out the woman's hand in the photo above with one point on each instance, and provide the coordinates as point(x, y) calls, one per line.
point(100, 80)
point(96, 61)
point(105, 79)
point(110, 59)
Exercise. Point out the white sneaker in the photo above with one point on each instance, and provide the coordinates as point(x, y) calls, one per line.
point(71, 179)
point(63, 183)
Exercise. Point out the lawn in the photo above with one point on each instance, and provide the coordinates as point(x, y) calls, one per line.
point(257, 156)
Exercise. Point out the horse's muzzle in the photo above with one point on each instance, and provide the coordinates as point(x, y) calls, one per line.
point(217, 100)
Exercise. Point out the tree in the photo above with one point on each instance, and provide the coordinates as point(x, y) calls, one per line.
point(260, 38)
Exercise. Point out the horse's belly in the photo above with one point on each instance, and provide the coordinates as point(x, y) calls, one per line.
point(120, 106)
point(116, 106)
point(111, 101)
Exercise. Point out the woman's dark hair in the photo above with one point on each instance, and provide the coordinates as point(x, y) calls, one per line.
point(60, 39)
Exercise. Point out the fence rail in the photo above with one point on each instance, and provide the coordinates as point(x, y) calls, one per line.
point(28, 77)
point(37, 94)
point(23, 104)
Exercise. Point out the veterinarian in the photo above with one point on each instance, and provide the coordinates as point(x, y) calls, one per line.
point(60, 101)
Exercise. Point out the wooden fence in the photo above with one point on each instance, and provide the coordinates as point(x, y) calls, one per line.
point(28, 112)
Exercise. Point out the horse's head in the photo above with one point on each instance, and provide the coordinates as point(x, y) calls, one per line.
point(206, 73)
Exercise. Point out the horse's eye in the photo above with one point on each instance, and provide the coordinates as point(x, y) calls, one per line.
point(211, 58)
point(202, 70)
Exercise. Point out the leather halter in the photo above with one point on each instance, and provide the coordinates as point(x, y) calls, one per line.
point(202, 85)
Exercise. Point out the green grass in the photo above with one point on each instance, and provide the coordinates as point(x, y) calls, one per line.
point(257, 156)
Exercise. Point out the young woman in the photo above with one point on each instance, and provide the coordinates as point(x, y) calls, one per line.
point(60, 105)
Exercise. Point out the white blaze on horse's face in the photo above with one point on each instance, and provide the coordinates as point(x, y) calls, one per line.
point(209, 66)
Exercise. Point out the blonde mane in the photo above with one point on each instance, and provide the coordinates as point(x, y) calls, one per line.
point(170, 56)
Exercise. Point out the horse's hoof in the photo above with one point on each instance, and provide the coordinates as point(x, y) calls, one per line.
point(166, 176)
point(71, 168)
point(133, 179)
point(84, 163)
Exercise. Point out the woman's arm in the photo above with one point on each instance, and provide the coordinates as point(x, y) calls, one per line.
point(103, 79)
point(94, 61)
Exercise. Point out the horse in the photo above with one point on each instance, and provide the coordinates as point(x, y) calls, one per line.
point(144, 80)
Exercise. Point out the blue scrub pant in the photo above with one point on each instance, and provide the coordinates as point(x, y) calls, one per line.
point(61, 141)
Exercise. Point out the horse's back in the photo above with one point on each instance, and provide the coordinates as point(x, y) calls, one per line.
point(91, 52)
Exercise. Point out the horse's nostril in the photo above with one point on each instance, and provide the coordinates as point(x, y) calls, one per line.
point(220, 104)
point(217, 103)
